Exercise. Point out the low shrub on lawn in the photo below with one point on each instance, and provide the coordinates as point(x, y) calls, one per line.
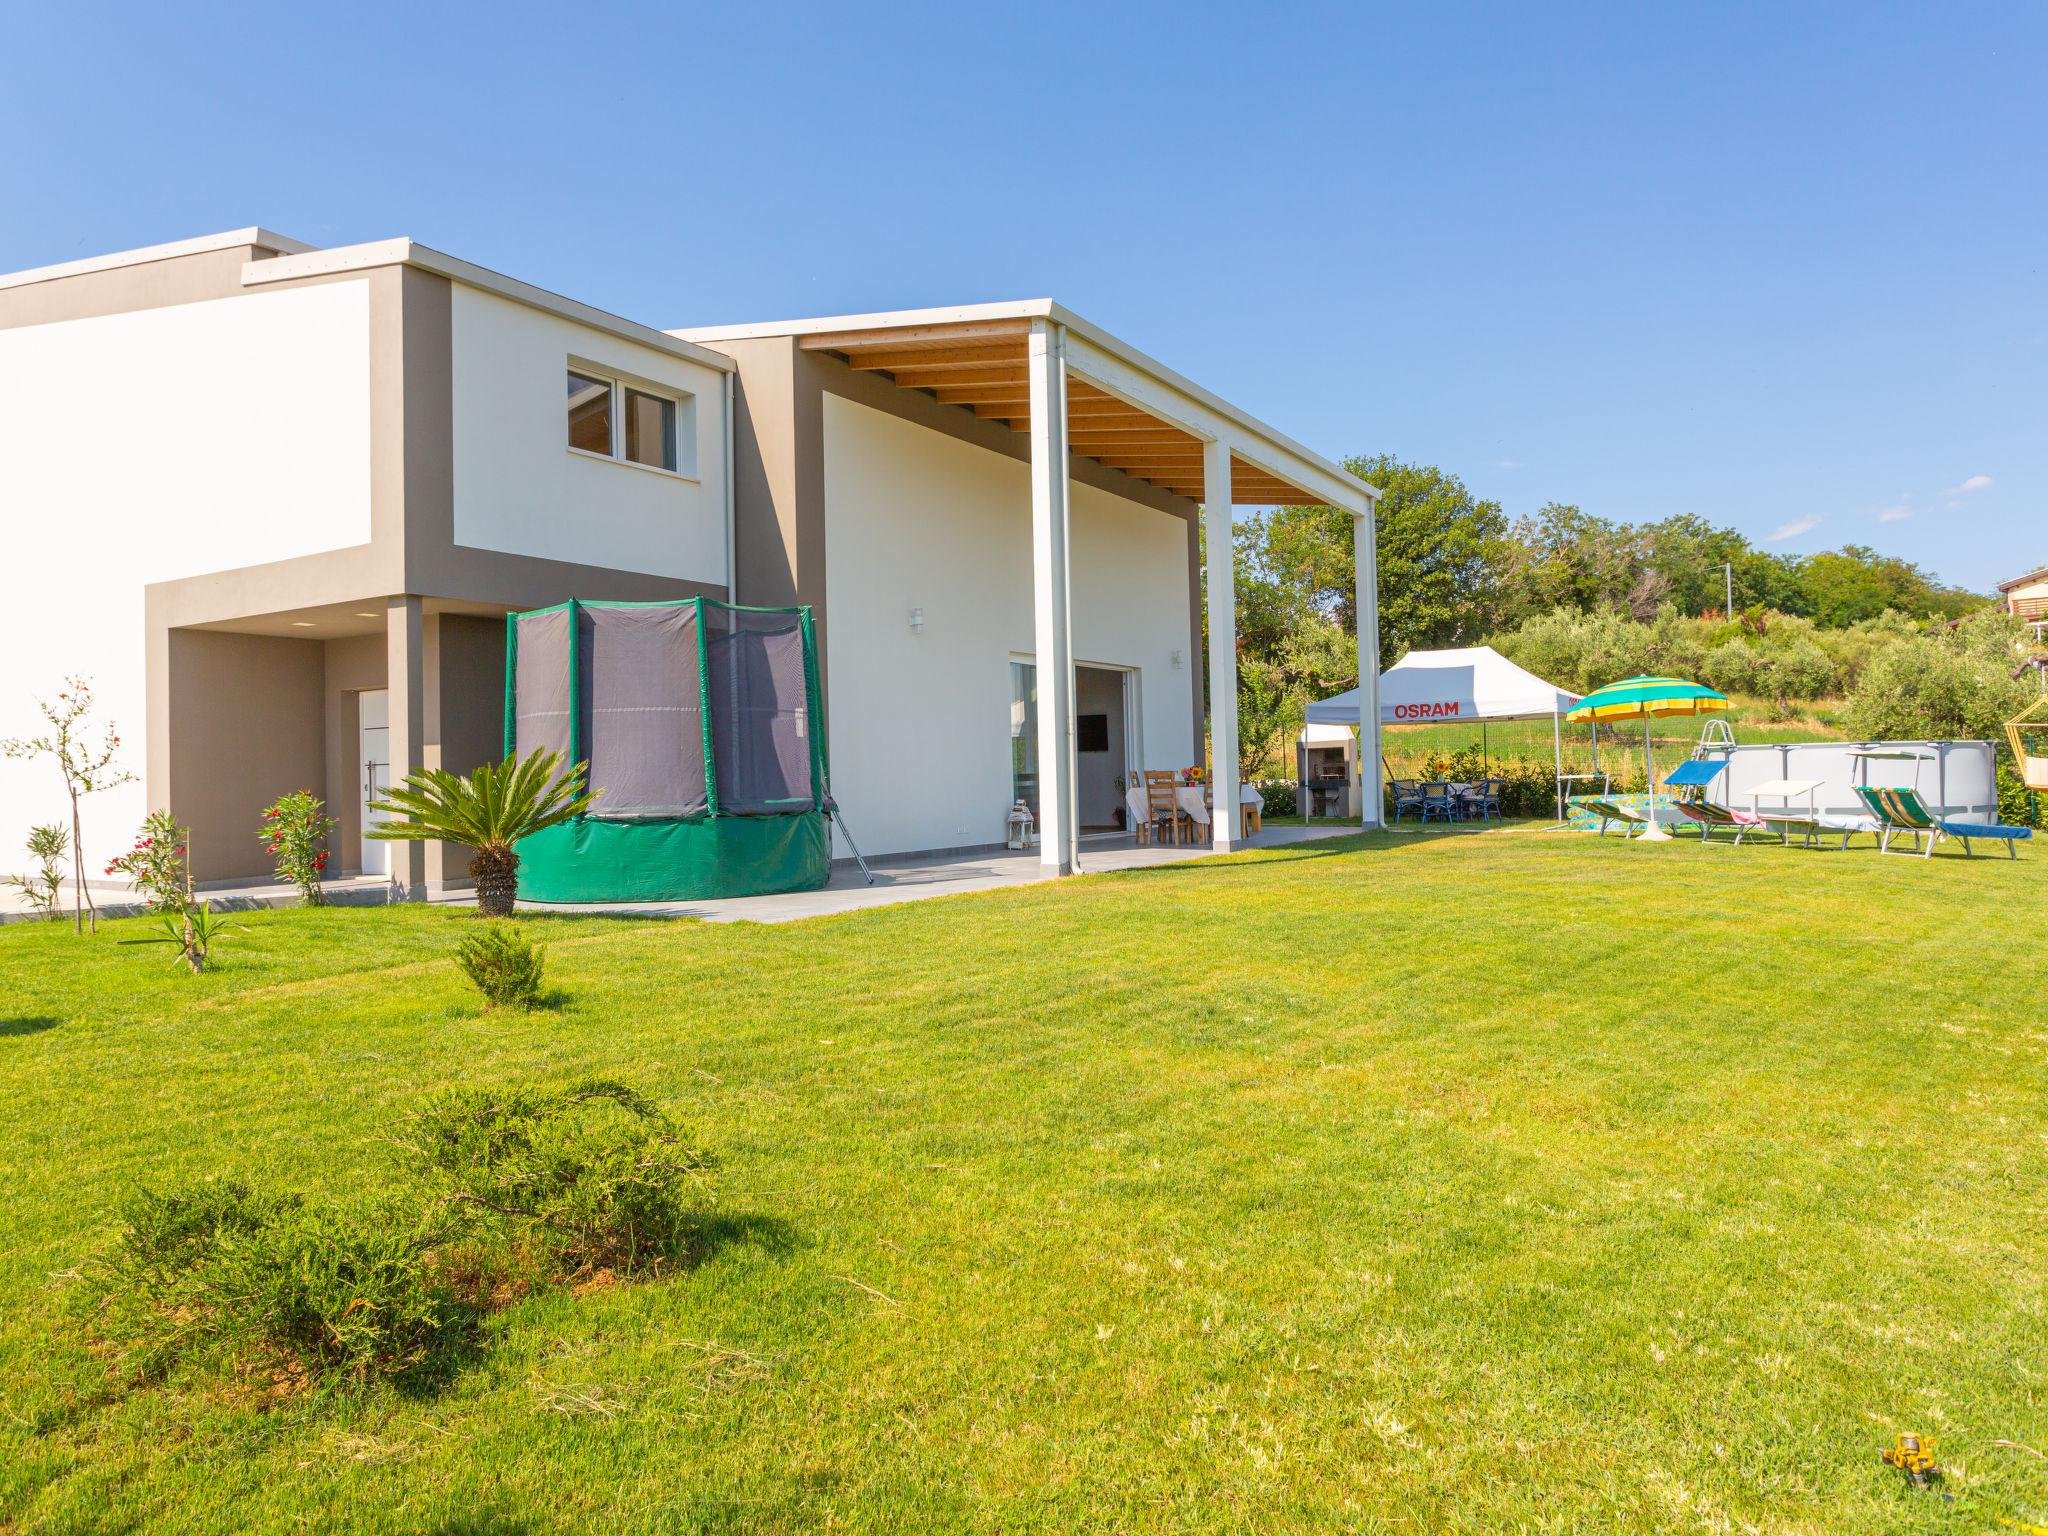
point(593, 1174)
point(221, 1269)
point(500, 1190)
point(504, 965)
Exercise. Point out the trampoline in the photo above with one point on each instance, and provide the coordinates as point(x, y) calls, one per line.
point(701, 726)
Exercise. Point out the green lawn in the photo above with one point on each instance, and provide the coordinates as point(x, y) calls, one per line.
point(1512, 1180)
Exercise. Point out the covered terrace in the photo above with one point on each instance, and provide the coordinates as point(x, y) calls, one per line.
point(1075, 391)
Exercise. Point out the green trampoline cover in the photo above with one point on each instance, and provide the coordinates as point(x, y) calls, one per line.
point(700, 726)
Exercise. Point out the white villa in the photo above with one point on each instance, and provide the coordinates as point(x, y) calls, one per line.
point(275, 502)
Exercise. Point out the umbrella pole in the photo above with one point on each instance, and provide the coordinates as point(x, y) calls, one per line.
point(1653, 831)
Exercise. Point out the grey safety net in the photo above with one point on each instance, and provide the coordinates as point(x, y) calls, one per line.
point(540, 720)
point(760, 710)
point(643, 710)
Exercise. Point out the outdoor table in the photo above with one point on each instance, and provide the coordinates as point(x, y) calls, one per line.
point(1786, 818)
point(1193, 799)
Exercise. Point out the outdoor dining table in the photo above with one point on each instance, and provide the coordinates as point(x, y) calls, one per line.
point(1194, 800)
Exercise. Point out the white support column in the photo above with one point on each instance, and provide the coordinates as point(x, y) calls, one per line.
point(1365, 571)
point(405, 684)
point(1058, 824)
point(1222, 575)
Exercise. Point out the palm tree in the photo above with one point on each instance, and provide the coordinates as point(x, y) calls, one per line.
point(490, 810)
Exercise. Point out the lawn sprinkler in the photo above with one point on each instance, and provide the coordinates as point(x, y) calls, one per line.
point(1914, 1457)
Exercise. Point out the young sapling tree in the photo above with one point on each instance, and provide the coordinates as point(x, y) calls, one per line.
point(86, 768)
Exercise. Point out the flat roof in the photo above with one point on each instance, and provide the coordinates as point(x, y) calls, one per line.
point(410, 253)
point(956, 317)
point(226, 240)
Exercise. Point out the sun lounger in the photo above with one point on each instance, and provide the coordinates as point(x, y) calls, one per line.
point(1902, 810)
point(1632, 819)
point(1712, 818)
point(1691, 779)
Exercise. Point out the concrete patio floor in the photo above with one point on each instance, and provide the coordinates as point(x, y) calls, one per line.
point(897, 879)
point(913, 878)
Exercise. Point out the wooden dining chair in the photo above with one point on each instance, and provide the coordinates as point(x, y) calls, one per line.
point(1162, 805)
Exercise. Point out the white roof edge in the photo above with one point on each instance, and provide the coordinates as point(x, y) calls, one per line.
point(1031, 309)
point(955, 314)
point(227, 239)
point(410, 253)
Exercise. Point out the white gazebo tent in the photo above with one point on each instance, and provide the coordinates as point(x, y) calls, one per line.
point(1473, 682)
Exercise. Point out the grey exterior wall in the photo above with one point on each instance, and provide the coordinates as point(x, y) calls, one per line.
point(245, 726)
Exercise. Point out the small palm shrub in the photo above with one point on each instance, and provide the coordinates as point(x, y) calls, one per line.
point(504, 965)
point(194, 931)
point(593, 1174)
point(224, 1272)
point(490, 809)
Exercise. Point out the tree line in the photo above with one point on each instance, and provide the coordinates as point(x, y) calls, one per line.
point(1454, 569)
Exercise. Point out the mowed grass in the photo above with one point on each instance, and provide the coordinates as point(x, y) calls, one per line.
point(1488, 1181)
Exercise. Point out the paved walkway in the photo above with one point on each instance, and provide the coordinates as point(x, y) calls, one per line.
point(896, 880)
point(915, 879)
point(120, 901)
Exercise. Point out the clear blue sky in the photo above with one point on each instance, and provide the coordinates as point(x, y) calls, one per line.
point(1781, 266)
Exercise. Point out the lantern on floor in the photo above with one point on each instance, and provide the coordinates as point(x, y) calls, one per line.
point(1019, 825)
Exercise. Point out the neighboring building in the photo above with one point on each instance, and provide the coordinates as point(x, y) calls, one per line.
point(2027, 596)
point(276, 501)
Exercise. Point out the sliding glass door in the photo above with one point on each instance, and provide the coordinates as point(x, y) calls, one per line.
point(1024, 737)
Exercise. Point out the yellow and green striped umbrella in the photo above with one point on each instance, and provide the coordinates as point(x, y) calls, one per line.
point(1639, 698)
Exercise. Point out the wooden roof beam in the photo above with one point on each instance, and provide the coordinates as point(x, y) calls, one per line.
point(889, 359)
point(961, 378)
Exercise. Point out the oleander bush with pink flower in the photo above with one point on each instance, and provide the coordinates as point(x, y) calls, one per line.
point(155, 866)
point(295, 832)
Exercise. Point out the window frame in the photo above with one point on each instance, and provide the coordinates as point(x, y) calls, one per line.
point(682, 414)
point(623, 393)
point(611, 410)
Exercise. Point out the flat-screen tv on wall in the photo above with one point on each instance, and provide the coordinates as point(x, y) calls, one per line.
point(1091, 733)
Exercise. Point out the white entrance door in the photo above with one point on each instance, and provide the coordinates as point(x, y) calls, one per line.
point(373, 771)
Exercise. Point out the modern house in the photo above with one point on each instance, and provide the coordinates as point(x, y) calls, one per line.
point(275, 502)
point(2026, 597)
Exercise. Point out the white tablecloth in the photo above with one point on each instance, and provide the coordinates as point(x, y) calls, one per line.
point(1189, 798)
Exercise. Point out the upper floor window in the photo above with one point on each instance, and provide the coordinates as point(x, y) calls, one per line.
point(590, 413)
point(623, 421)
point(650, 430)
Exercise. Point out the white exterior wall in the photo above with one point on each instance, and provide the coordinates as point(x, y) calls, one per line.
point(147, 447)
point(919, 728)
point(519, 488)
